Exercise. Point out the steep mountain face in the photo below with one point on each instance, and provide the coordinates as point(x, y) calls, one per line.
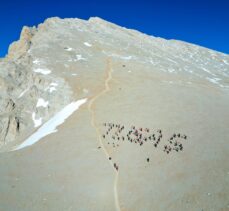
point(152, 133)
point(28, 94)
point(38, 65)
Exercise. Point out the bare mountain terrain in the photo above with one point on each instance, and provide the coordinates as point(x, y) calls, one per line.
point(94, 116)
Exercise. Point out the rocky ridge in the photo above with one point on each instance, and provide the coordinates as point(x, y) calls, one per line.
point(22, 104)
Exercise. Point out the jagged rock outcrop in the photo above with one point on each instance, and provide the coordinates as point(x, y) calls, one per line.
point(20, 48)
point(21, 88)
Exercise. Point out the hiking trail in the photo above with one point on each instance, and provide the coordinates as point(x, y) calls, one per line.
point(108, 78)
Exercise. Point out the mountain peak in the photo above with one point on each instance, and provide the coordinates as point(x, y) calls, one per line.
point(84, 104)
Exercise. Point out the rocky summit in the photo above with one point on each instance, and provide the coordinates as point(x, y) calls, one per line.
point(94, 116)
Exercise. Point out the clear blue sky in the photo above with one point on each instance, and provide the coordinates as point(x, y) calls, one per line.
point(203, 22)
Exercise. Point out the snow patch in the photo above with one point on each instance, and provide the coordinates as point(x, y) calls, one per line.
point(53, 84)
point(50, 126)
point(87, 44)
point(42, 71)
point(171, 61)
point(26, 90)
point(122, 57)
point(79, 57)
point(42, 103)
point(171, 70)
point(126, 57)
point(37, 122)
point(205, 70)
point(169, 82)
point(224, 86)
point(214, 80)
point(69, 49)
point(36, 61)
point(52, 87)
point(225, 62)
point(74, 74)
point(118, 56)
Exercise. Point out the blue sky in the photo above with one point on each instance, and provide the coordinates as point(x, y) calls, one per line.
point(203, 22)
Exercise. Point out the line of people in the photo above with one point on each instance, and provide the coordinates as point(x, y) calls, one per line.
point(114, 134)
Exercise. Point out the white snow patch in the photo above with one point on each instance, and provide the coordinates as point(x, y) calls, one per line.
point(153, 62)
point(79, 57)
point(214, 80)
point(225, 62)
point(69, 49)
point(172, 61)
point(42, 103)
point(37, 122)
point(169, 82)
point(36, 61)
point(171, 70)
point(119, 56)
point(50, 126)
point(54, 84)
point(224, 86)
point(126, 57)
point(87, 44)
point(129, 71)
point(74, 74)
point(51, 89)
point(205, 70)
point(42, 71)
point(26, 90)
